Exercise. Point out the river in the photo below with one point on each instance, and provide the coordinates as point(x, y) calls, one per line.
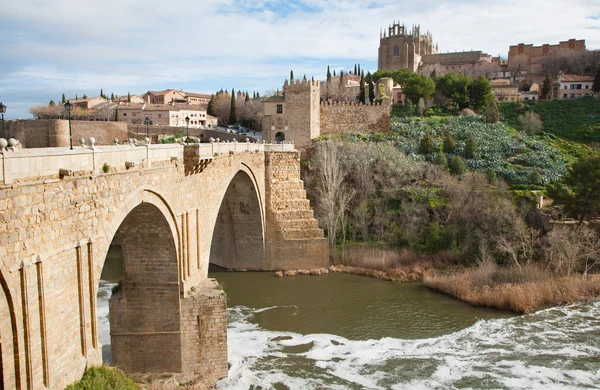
point(343, 331)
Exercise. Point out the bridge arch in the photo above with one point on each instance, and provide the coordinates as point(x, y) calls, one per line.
point(145, 312)
point(238, 239)
point(10, 375)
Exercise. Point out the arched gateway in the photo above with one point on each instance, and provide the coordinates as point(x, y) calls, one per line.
point(171, 209)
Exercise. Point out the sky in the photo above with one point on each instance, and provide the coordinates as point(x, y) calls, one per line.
point(51, 47)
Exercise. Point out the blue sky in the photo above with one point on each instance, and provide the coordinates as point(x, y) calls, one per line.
point(50, 47)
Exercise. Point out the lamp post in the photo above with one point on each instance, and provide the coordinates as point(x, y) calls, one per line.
point(147, 122)
point(68, 108)
point(187, 130)
point(3, 110)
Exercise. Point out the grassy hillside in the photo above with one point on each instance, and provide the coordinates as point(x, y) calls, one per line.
point(577, 120)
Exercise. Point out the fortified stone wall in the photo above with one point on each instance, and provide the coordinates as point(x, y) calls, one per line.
point(301, 108)
point(347, 118)
point(55, 132)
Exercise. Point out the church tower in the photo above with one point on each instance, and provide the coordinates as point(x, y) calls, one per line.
point(400, 48)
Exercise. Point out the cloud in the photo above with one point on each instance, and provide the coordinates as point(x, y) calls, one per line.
point(51, 46)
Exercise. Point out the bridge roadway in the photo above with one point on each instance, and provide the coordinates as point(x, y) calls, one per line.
point(172, 209)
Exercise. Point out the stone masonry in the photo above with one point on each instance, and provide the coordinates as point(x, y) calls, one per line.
point(161, 204)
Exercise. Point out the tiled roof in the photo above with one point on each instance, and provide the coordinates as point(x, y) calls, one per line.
point(574, 77)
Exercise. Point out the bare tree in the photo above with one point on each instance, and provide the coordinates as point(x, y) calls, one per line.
point(570, 249)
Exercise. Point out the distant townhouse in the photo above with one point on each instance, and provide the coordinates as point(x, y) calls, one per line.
point(130, 99)
point(88, 103)
point(573, 86)
point(165, 114)
point(504, 91)
point(171, 96)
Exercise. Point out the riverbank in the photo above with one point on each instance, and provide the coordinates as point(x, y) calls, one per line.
point(521, 291)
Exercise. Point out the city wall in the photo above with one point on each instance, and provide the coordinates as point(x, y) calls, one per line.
point(346, 118)
point(48, 133)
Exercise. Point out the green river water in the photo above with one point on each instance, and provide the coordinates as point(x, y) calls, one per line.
point(342, 331)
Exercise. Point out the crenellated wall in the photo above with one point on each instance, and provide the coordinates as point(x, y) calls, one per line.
point(347, 118)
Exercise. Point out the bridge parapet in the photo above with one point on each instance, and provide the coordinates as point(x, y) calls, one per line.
point(51, 163)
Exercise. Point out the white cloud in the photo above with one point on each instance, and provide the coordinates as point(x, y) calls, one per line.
point(137, 45)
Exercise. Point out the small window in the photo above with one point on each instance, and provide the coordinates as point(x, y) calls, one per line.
point(160, 115)
point(280, 108)
point(124, 114)
point(565, 96)
point(133, 114)
point(396, 51)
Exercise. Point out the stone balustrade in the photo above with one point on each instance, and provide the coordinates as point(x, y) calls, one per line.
point(48, 163)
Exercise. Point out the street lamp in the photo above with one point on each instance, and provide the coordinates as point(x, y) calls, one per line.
point(68, 108)
point(147, 122)
point(187, 131)
point(3, 110)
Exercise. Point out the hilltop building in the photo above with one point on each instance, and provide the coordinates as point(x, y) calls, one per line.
point(165, 114)
point(173, 96)
point(402, 49)
point(528, 58)
point(299, 115)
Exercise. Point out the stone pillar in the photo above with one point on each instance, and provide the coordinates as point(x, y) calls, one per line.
point(58, 134)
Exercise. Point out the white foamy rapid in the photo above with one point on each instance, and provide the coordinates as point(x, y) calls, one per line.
point(104, 293)
point(553, 349)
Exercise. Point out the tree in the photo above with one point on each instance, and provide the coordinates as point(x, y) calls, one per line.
point(76, 97)
point(117, 114)
point(480, 93)
point(457, 166)
point(328, 73)
point(546, 87)
point(530, 122)
point(362, 95)
point(371, 88)
point(291, 76)
point(247, 98)
point(449, 143)
point(84, 96)
point(492, 113)
point(470, 146)
point(355, 69)
point(433, 75)
point(128, 97)
point(359, 71)
point(455, 87)
point(52, 104)
point(232, 113)
point(64, 100)
point(596, 84)
point(441, 160)
point(209, 107)
point(581, 196)
point(101, 93)
point(426, 146)
point(419, 86)
point(112, 96)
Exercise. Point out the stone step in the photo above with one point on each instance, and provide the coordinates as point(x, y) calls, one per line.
point(293, 215)
point(299, 224)
point(302, 234)
point(290, 204)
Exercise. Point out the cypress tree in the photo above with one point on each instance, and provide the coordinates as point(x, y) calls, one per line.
point(470, 146)
point(355, 70)
point(359, 71)
point(449, 143)
point(334, 73)
point(457, 166)
point(101, 93)
point(546, 87)
point(76, 97)
point(328, 73)
point(112, 96)
point(441, 160)
point(304, 78)
point(64, 100)
point(247, 97)
point(371, 88)
point(117, 114)
point(84, 96)
point(232, 113)
point(254, 96)
point(291, 76)
point(596, 84)
point(210, 108)
point(52, 104)
point(362, 95)
point(128, 97)
point(426, 145)
point(257, 95)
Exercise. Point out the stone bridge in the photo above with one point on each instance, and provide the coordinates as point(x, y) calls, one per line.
point(172, 209)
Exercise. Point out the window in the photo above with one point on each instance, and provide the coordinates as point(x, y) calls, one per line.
point(396, 51)
point(572, 96)
point(133, 114)
point(566, 87)
point(565, 96)
point(578, 95)
point(160, 115)
point(124, 114)
point(280, 108)
point(587, 86)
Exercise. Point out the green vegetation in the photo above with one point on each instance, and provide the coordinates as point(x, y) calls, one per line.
point(105, 378)
point(575, 120)
point(105, 168)
point(171, 140)
point(232, 112)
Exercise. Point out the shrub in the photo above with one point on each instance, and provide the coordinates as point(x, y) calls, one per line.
point(441, 160)
point(492, 115)
point(449, 143)
point(427, 146)
point(491, 176)
point(468, 112)
point(457, 166)
point(105, 168)
point(470, 146)
point(104, 377)
point(530, 123)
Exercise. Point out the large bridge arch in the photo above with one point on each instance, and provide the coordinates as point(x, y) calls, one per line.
point(145, 313)
point(238, 237)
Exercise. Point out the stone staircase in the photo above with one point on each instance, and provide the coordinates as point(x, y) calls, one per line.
point(289, 206)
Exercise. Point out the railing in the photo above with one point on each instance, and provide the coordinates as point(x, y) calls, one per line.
point(41, 163)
